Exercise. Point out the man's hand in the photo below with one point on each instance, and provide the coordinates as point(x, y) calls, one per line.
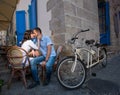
point(43, 63)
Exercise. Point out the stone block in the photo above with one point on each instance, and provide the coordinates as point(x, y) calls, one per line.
point(59, 39)
point(57, 26)
point(87, 24)
point(58, 10)
point(82, 13)
point(52, 3)
point(72, 21)
point(91, 6)
point(72, 30)
point(69, 8)
point(78, 3)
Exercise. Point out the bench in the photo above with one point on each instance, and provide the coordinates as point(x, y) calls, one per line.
point(43, 69)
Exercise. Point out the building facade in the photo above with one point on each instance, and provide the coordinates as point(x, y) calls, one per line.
point(60, 19)
point(102, 17)
point(70, 16)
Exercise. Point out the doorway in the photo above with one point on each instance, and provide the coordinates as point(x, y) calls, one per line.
point(104, 22)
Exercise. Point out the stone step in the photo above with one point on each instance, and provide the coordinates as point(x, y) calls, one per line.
point(3, 66)
point(4, 71)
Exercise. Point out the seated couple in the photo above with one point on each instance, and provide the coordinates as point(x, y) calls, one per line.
point(47, 57)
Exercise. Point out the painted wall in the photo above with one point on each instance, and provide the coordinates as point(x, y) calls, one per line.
point(23, 5)
point(43, 16)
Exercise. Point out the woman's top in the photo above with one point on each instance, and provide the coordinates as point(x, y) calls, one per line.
point(28, 45)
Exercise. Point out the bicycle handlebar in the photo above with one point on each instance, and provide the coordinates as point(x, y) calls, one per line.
point(81, 32)
point(85, 30)
point(72, 40)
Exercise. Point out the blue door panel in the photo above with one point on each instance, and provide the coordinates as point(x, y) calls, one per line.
point(20, 25)
point(33, 14)
point(104, 19)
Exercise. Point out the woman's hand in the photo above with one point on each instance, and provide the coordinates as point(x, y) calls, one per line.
point(34, 53)
point(31, 53)
point(37, 53)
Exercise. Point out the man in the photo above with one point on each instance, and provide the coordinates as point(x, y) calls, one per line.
point(48, 57)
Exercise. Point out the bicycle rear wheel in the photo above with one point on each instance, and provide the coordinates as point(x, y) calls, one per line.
point(103, 57)
point(66, 77)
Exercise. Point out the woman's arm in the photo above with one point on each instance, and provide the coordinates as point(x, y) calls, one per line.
point(34, 49)
point(33, 46)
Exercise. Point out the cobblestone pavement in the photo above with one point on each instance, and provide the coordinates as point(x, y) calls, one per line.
point(104, 82)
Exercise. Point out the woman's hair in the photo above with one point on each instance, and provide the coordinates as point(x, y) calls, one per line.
point(27, 35)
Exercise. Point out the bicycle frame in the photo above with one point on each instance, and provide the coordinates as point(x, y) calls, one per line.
point(90, 54)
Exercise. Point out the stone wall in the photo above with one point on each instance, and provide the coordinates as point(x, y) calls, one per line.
point(3, 38)
point(11, 36)
point(70, 16)
point(114, 37)
point(81, 14)
point(7, 38)
point(57, 23)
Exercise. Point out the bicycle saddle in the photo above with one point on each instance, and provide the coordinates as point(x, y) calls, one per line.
point(99, 45)
point(88, 42)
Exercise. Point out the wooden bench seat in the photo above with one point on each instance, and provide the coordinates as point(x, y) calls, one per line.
point(43, 69)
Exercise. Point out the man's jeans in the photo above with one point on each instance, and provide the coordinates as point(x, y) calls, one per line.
point(36, 61)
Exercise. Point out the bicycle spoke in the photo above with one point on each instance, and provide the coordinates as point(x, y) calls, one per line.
point(71, 79)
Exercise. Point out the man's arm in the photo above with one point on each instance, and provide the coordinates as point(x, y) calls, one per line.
point(49, 47)
point(48, 55)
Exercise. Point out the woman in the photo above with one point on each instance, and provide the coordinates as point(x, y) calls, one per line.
point(28, 45)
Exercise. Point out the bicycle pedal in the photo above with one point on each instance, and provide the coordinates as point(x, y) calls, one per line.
point(93, 74)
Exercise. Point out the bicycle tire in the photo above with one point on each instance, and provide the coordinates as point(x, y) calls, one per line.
point(103, 57)
point(68, 79)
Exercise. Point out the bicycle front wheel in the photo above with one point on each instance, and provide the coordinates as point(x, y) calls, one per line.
point(68, 78)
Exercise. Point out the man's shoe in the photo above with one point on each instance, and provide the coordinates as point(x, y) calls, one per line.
point(33, 85)
point(46, 82)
